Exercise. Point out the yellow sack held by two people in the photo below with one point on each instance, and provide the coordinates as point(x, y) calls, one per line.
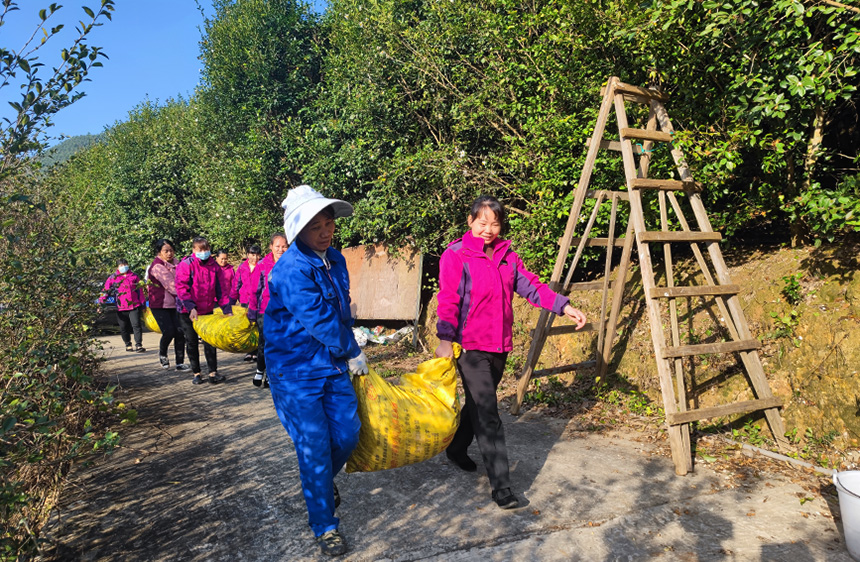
point(149, 321)
point(228, 333)
point(408, 422)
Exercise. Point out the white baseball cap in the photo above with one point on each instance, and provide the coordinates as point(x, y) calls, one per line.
point(303, 203)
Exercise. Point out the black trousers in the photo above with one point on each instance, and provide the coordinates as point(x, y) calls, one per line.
point(129, 320)
point(192, 345)
point(481, 372)
point(168, 322)
point(261, 345)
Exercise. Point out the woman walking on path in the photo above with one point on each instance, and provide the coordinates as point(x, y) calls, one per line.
point(260, 300)
point(310, 352)
point(229, 272)
point(198, 291)
point(123, 284)
point(162, 303)
point(478, 275)
point(244, 285)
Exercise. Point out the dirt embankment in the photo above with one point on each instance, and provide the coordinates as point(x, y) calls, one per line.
point(803, 304)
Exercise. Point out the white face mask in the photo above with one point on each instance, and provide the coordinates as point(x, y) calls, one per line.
point(203, 256)
point(123, 269)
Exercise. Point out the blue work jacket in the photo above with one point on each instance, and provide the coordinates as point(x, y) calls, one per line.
point(308, 323)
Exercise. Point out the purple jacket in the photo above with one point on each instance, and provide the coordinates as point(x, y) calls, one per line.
point(261, 280)
point(128, 295)
point(244, 283)
point(198, 285)
point(162, 283)
point(476, 293)
point(227, 279)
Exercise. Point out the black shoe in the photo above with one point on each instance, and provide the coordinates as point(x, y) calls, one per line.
point(505, 499)
point(336, 497)
point(197, 379)
point(332, 543)
point(258, 378)
point(249, 357)
point(183, 367)
point(129, 348)
point(165, 363)
point(139, 348)
point(215, 378)
point(463, 461)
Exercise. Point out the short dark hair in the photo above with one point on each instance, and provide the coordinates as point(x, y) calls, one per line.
point(121, 261)
point(491, 203)
point(200, 241)
point(161, 243)
point(255, 249)
point(221, 251)
point(277, 235)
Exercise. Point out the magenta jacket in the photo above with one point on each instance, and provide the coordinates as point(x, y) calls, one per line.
point(162, 283)
point(128, 295)
point(260, 300)
point(227, 279)
point(244, 284)
point(198, 285)
point(476, 293)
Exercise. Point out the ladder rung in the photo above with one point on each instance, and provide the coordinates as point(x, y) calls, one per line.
point(587, 286)
point(642, 134)
point(569, 329)
point(704, 348)
point(700, 291)
point(664, 185)
point(563, 369)
point(640, 91)
point(614, 145)
point(623, 195)
point(679, 236)
point(679, 418)
point(598, 242)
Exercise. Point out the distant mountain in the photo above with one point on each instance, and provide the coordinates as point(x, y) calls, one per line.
point(67, 149)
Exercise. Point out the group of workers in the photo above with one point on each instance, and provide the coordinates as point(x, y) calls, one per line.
point(299, 297)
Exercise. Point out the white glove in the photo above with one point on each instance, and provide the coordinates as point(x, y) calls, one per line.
point(358, 364)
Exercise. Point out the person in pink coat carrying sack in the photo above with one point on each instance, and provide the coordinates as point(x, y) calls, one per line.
point(245, 285)
point(478, 276)
point(161, 275)
point(260, 299)
point(198, 291)
point(123, 284)
point(229, 272)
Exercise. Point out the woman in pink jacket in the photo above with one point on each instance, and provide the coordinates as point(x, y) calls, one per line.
point(162, 302)
point(478, 276)
point(123, 285)
point(245, 284)
point(229, 272)
point(260, 299)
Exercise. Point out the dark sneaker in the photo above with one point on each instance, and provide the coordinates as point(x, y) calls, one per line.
point(183, 367)
point(197, 379)
point(336, 497)
point(139, 348)
point(249, 357)
point(332, 543)
point(165, 363)
point(505, 499)
point(129, 348)
point(463, 461)
point(215, 378)
point(258, 378)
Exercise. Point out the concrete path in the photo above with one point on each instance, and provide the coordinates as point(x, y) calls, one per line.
point(208, 473)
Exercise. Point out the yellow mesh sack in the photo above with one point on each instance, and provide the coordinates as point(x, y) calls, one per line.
point(228, 333)
point(408, 422)
point(149, 320)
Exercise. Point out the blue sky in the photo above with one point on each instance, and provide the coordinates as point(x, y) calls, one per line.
point(154, 52)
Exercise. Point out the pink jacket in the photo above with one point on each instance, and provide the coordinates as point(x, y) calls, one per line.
point(162, 283)
point(244, 284)
point(227, 279)
point(128, 295)
point(476, 294)
point(198, 285)
point(261, 279)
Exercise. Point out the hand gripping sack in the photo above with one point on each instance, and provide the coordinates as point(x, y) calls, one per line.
point(149, 321)
point(228, 333)
point(408, 422)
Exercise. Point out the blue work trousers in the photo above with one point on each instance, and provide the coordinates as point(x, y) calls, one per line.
point(321, 416)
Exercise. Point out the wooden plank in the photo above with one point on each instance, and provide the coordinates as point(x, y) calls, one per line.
point(642, 134)
point(664, 185)
point(679, 236)
point(705, 348)
point(637, 93)
point(607, 144)
point(599, 242)
point(699, 291)
point(622, 195)
point(563, 369)
point(381, 286)
point(584, 286)
point(724, 410)
point(567, 329)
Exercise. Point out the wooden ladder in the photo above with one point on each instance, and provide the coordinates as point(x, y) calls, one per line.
point(717, 287)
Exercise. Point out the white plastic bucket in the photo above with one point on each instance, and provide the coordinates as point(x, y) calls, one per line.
point(848, 485)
